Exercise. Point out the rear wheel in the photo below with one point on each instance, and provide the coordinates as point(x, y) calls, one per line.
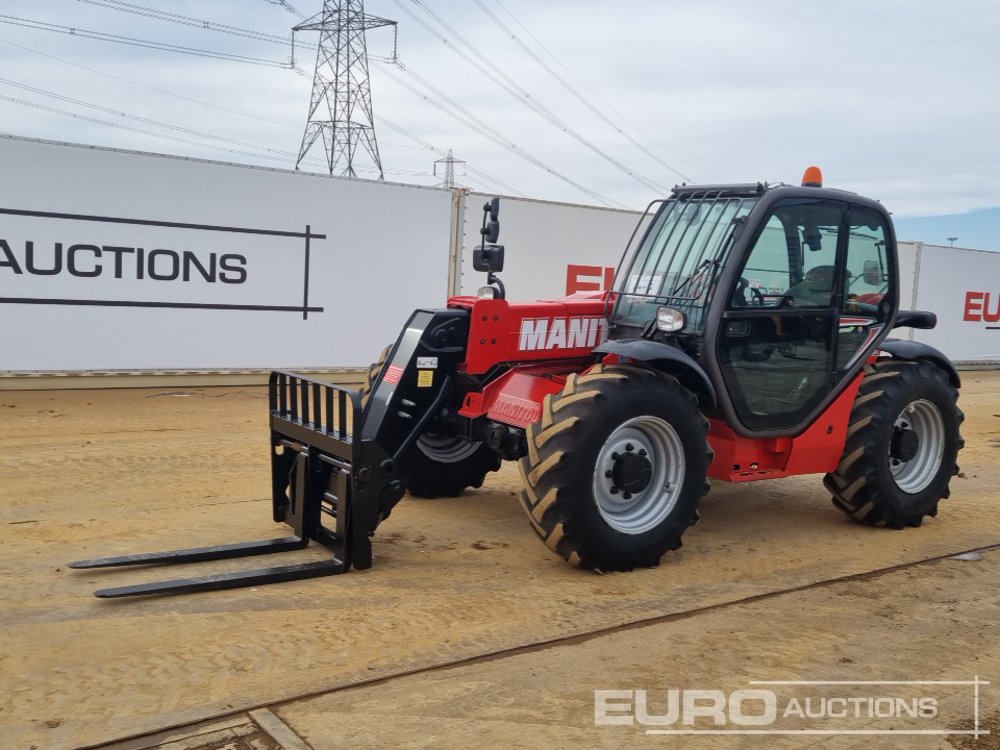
point(438, 465)
point(616, 468)
point(902, 445)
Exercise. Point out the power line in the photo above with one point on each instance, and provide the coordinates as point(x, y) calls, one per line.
point(121, 126)
point(131, 41)
point(277, 155)
point(147, 86)
point(603, 101)
point(137, 118)
point(463, 116)
point(418, 144)
point(493, 71)
point(572, 90)
point(198, 23)
point(289, 7)
point(440, 152)
point(482, 127)
point(421, 143)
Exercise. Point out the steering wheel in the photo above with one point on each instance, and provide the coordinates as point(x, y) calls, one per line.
point(756, 295)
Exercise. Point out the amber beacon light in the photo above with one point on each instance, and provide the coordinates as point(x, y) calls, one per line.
point(813, 177)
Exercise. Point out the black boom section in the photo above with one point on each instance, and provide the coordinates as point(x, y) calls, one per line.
point(417, 379)
point(321, 468)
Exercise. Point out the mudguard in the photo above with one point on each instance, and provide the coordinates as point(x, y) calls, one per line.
point(665, 358)
point(913, 350)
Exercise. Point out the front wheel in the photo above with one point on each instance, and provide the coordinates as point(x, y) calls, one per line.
point(616, 468)
point(444, 466)
point(902, 445)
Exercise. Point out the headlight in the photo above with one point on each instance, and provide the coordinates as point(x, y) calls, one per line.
point(669, 320)
point(487, 292)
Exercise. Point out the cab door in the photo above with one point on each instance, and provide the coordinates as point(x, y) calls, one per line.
point(814, 292)
point(777, 343)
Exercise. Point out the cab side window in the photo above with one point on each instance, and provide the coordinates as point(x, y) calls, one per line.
point(867, 267)
point(793, 260)
point(766, 272)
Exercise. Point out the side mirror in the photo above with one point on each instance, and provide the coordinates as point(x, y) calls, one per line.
point(873, 273)
point(491, 220)
point(488, 259)
point(491, 232)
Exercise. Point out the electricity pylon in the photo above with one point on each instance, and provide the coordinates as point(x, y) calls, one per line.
point(340, 110)
point(448, 164)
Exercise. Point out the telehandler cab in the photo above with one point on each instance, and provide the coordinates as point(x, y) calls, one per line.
point(747, 338)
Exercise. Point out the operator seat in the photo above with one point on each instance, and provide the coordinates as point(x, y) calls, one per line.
point(815, 289)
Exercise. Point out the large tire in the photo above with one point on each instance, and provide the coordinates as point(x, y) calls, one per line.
point(371, 375)
point(616, 468)
point(444, 467)
point(902, 445)
point(438, 466)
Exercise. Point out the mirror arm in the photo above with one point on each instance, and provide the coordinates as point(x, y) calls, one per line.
point(491, 279)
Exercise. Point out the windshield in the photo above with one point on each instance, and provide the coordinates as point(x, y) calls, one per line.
point(679, 257)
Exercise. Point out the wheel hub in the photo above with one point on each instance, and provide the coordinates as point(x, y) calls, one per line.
point(917, 445)
point(632, 471)
point(905, 444)
point(639, 474)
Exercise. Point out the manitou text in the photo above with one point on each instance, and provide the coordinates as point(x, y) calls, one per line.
point(562, 333)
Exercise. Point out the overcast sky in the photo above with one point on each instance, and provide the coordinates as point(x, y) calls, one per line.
point(896, 99)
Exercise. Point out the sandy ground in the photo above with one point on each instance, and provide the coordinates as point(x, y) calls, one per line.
point(766, 588)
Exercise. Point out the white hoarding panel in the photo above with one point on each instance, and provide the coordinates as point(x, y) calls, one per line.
point(122, 261)
point(907, 253)
point(963, 288)
point(552, 249)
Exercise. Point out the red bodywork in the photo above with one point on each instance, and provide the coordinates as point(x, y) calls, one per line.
point(515, 398)
point(815, 451)
point(532, 331)
point(543, 342)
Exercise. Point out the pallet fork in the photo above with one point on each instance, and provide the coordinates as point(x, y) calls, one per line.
point(319, 466)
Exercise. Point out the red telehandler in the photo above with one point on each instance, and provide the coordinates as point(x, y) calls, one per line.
point(747, 338)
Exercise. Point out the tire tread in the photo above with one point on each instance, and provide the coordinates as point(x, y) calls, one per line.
point(855, 485)
point(555, 438)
